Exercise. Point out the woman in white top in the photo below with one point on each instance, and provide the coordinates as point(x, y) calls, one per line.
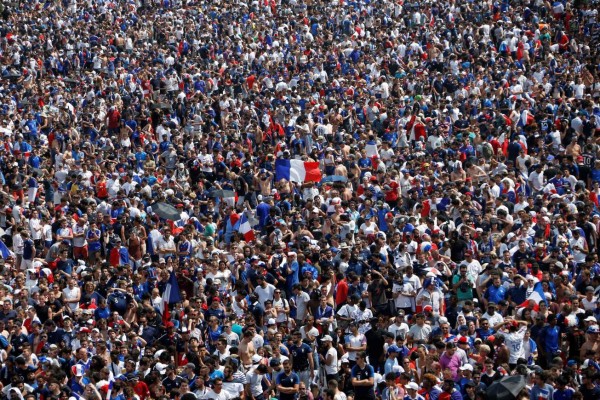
point(369, 227)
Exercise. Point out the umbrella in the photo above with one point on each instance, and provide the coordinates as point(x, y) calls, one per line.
point(222, 193)
point(12, 75)
point(334, 178)
point(161, 106)
point(71, 81)
point(507, 388)
point(166, 211)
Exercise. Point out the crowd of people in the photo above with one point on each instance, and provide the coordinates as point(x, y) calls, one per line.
point(299, 199)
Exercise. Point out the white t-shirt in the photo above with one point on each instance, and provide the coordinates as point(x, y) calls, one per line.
point(71, 294)
point(494, 319)
point(264, 293)
point(220, 396)
point(281, 303)
point(589, 305)
point(514, 342)
point(403, 301)
point(399, 330)
point(301, 305)
point(355, 341)
point(254, 380)
point(233, 389)
point(333, 367)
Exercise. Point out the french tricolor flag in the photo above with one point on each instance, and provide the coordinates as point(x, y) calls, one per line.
point(537, 296)
point(111, 382)
point(297, 171)
point(245, 229)
point(171, 295)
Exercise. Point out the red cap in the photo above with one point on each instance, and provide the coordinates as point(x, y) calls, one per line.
point(170, 324)
point(427, 308)
point(179, 205)
point(463, 339)
point(216, 299)
point(491, 338)
point(389, 215)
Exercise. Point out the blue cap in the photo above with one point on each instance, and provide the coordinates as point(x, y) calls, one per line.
point(571, 363)
point(593, 329)
point(393, 349)
point(463, 328)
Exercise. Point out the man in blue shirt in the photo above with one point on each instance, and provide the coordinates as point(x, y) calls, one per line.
point(287, 382)
point(550, 336)
point(301, 358)
point(541, 390)
point(496, 292)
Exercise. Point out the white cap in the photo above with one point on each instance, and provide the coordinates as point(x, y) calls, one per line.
point(271, 321)
point(412, 385)
point(256, 359)
point(466, 367)
point(326, 338)
point(591, 318)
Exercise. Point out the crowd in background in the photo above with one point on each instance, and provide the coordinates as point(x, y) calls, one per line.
point(156, 246)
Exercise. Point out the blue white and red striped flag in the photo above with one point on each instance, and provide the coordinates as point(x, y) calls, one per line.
point(171, 295)
point(245, 229)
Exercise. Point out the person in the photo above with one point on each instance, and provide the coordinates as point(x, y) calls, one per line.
point(449, 391)
point(355, 343)
point(514, 340)
point(391, 391)
point(217, 392)
point(391, 360)
point(301, 357)
point(363, 378)
point(541, 389)
point(420, 331)
point(451, 360)
point(550, 337)
point(329, 358)
point(287, 382)
point(254, 378)
point(412, 392)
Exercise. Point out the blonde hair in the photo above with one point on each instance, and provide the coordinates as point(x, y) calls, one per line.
point(484, 348)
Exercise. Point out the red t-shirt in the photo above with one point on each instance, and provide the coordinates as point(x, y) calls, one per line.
point(341, 294)
point(392, 194)
point(113, 119)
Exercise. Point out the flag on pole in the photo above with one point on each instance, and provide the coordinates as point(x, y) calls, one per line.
point(171, 295)
point(245, 229)
point(4, 251)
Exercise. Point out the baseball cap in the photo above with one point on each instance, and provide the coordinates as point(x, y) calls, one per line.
point(393, 349)
point(327, 338)
point(466, 367)
point(593, 329)
point(412, 386)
